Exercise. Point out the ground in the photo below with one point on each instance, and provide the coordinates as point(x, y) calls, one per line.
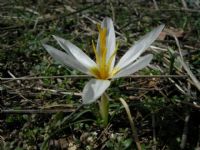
point(163, 99)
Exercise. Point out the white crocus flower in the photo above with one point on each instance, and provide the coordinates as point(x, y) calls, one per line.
point(104, 67)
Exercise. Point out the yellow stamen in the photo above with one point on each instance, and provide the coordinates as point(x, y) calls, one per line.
point(103, 68)
point(115, 71)
point(95, 52)
point(95, 72)
point(103, 51)
point(102, 46)
point(98, 27)
point(112, 56)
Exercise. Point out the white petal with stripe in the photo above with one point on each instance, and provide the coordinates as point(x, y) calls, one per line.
point(76, 52)
point(66, 59)
point(139, 64)
point(137, 49)
point(94, 89)
point(110, 39)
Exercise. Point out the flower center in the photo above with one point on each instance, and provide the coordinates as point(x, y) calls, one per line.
point(103, 68)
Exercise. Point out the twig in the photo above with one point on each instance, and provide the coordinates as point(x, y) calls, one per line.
point(35, 111)
point(185, 132)
point(106, 129)
point(155, 4)
point(112, 10)
point(19, 82)
point(87, 76)
point(2, 143)
point(57, 91)
point(198, 143)
point(47, 77)
point(171, 10)
point(66, 110)
point(26, 9)
point(178, 86)
point(192, 76)
point(195, 106)
point(154, 131)
point(184, 4)
point(13, 76)
point(133, 128)
point(187, 69)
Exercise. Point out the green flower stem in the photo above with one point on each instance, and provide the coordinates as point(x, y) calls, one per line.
point(133, 128)
point(104, 108)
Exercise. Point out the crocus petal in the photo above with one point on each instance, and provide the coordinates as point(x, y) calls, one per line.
point(139, 64)
point(136, 50)
point(65, 59)
point(74, 51)
point(94, 89)
point(110, 38)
